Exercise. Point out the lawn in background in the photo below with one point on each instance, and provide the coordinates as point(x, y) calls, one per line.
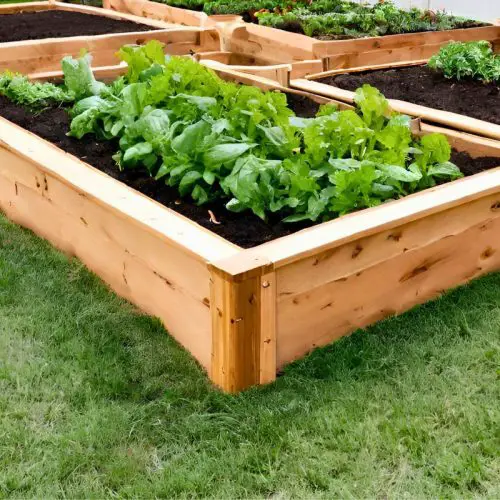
point(97, 400)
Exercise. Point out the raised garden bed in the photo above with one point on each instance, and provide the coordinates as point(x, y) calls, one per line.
point(413, 88)
point(244, 314)
point(39, 20)
point(53, 23)
point(326, 20)
point(286, 46)
point(32, 56)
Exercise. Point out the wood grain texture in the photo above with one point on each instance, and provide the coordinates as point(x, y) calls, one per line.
point(361, 295)
point(261, 66)
point(277, 45)
point(395, 45)
point(243, 331)
point(157, 277)
point(158, 11)
point(279, 73)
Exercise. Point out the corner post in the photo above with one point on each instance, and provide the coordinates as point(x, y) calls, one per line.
point(243, 309)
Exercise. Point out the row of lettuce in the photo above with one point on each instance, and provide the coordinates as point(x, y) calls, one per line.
point(217, 140)
point(473, 60)
point(332, 18)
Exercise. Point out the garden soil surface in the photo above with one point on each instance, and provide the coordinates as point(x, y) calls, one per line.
point(59, 24)
point(246, 229)
point(421, 85)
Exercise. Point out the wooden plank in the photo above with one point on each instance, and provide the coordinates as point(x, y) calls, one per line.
point(119, 16)
point(164, 259)
point(127, 274)
point(243, 331)
point(339, 263)
point(277, 73)
point(155, 10)
point(453, 120)
point(12, 8)
point(361, 69)
point(277, 45)
point(261, 66)
point(45, 55)
point(300, 69)
point(398, 42)
point(323, 314)
point(268, 326)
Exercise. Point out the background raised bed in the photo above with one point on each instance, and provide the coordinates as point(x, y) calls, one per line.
point(285, 47)
point(45, 55)
point(320, 83)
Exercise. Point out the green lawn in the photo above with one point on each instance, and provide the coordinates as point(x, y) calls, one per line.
point(96, 400)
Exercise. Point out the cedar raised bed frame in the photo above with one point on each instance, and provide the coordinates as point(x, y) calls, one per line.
point(417, 55)
point(286, 47)
point(244, 314)
point(30, 56)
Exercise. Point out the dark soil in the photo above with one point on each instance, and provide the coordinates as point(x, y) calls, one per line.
point(59, 24)
point(302, 105)
point(246, 229)
point(422, 85)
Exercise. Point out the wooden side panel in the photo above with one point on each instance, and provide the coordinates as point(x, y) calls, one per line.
point(243, 331)
point(397, 43)
point(159, 278)
point(12, 8)
point(276, 45)
point(97, 11)
point(161, 12)
point(45, 55)
point(331, 294)
point(381, 56)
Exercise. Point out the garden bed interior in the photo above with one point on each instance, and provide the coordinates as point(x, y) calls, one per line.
point(414, 89)
point(30, 56)
point(421, 85)
point(244, 314)
point(41, 20)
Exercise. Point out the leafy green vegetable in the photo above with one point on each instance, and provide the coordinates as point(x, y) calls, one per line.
point(213, 139)
point(78, 77)
point(34, 95)
point(467, 60)
point(332, 19)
